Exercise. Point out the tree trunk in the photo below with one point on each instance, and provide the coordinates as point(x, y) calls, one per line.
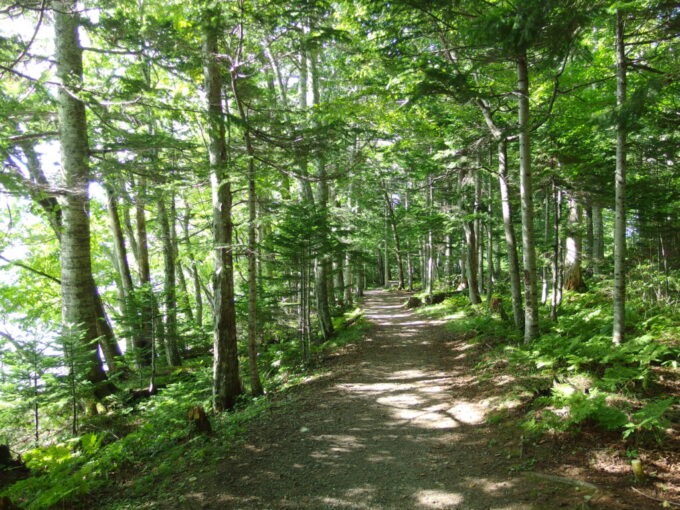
point(323, 266)
point(132, 320)
point(255, 383)
point(545, 285)
point(619, 322)
point(339, 280)
point(79, 310)
point(556, 282)
point(226, 381)
point(195, 276)
point(147, 305)
point(573, 274)
point(428, 259)
point(479, 238)
point(489, 247)
point(598, 239)
point(471, 262)
point(527, 202)
point(589, 250)
point(348, 280)
point(395, 233)
point(169, 286)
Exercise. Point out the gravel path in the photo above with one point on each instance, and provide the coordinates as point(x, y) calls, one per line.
point(399, 424)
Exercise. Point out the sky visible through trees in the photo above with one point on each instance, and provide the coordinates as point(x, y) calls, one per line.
point(210, 187)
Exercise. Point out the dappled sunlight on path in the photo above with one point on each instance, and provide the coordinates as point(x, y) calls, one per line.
point(398, 427)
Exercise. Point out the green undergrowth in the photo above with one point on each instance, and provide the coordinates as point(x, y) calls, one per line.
point(572, 376)
point(283, 364)
point(160, 447)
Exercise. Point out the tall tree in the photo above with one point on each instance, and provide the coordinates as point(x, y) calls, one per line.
point(619, 324)
point(226, 379)
point(79, 307)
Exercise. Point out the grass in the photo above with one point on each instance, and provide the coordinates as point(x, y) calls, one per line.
point(159, 447)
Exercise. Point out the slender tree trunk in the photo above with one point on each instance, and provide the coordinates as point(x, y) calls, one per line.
point(107, 339)
point(449, 260)
point(489, 247)
point(348, 280)
point(479, 238)
point(556, 281)
point(619, 323)
point(253, 337)
point(409, 257)
point(195, 276)
point(598, 239)
point(386, 250)
point(324, 264)
point(527, 202)
point(148, 312)
point(546, 239)
point(395, 233)
point(589, 240)
point(169, 287)
point(226, 381)
point(339, 279)
point(471, 262)
point(79, 310)
point(428, 259)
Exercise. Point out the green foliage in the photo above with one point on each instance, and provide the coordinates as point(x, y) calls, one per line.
point(650, 418)
point(593, 382)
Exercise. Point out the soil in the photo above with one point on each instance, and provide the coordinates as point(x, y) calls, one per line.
point(400, 422)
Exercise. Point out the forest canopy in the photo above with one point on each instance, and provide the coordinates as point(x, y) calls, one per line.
point(199, 193)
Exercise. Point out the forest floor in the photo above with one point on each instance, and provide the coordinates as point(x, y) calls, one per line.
point(397, 422)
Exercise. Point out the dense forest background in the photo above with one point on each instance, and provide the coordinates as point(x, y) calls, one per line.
point(196, 194)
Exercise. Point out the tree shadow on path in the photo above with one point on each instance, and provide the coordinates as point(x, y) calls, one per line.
point(400, 425)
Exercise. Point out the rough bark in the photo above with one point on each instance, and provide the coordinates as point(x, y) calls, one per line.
point(79, 310)
point(226, 382)
point(527, 203)
point(573, 273)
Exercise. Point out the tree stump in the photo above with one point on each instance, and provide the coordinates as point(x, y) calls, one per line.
point(199, 420)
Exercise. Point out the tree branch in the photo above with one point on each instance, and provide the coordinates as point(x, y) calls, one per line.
point(30, 269)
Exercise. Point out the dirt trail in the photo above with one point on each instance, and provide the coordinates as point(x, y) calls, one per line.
point(398, 425)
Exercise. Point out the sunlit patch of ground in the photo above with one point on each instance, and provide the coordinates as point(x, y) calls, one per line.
point(438, 499)
point(468, 412)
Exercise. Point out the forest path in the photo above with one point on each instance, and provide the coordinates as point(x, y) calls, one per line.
point(398, 424)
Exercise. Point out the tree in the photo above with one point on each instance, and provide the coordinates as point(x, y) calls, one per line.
point(226, 380)
point(79, 308)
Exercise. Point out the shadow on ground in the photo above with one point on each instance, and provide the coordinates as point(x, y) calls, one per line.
point(400, 426)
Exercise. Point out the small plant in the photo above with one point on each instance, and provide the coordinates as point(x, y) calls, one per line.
point(650, 419)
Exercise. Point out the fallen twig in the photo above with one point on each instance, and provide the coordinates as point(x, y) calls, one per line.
point(663, 501)
point(562, 479)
